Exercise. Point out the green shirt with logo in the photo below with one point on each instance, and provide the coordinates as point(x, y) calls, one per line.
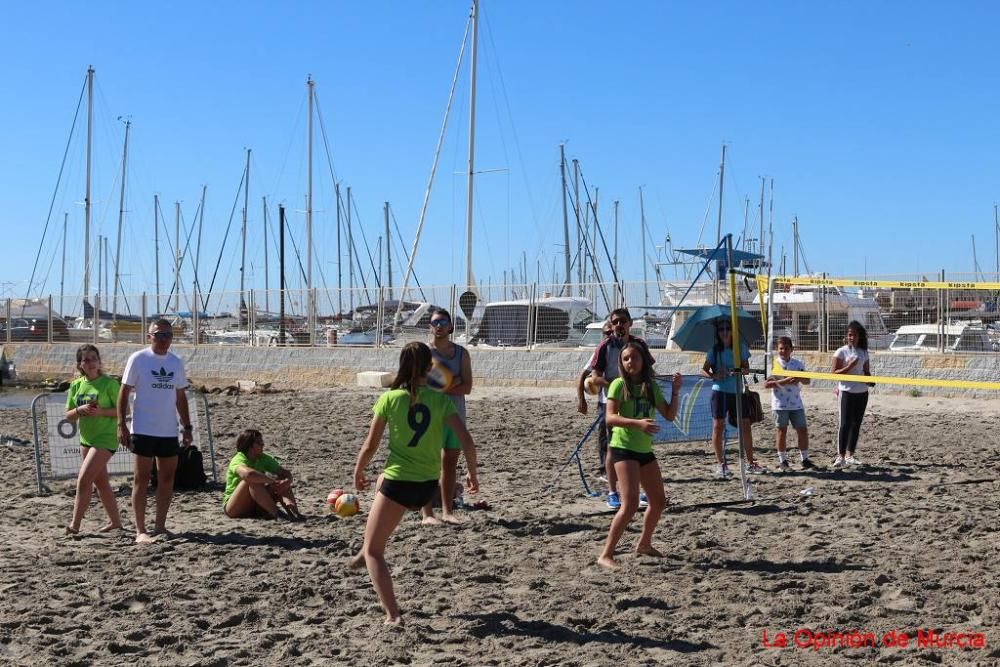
point(264, 463)
point(637, 407)
point(101, 432)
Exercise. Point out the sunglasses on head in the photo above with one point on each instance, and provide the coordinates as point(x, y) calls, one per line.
point(440, 323)
point(162, 334)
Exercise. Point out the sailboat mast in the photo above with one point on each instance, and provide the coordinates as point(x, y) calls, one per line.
point(156, 247)
point(197, 250)
point(86, 196)
point(267, 308)
point(576, 211)
point(469, 279)
point(243, 234)
point(177, 257)
point(718, 226)
point(62, 279)
point(795, 246)
point(760, 245)
point(340, 256)
point(350, 249)
point(642, 227)
point(562, 173)
point(310, 85)
point(617, 202)
point(121, 222)
point(388, 251)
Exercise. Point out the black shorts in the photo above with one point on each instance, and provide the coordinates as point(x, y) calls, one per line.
point(642, 458)
point(151, 445)
point(725, 404)
point(411, 495)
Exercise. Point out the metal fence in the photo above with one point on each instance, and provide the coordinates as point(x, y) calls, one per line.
point(901, 313)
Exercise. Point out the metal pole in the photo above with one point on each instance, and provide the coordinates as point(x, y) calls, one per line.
point(156, 246)
point(177, 257)
point(121, 222)
point(267, 308)
point(281, 274)
point(62, 279)
point(469, 279)
point(388, 252)
point(718, 226)
point(562, 173)
point(310, 85)
point(86, 196)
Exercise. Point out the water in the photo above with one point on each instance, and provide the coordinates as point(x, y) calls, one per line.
point(16, 398)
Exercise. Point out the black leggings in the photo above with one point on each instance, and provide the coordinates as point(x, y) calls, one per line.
point(852, 411)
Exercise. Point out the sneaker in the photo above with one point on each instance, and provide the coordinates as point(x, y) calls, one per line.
point(601, 478)
point(808, 464)
point(783, 465)
point(851, 461)
point(614, 502)
point(723, 472)
point(755, 468)
point(643, 500)
point(839, 462)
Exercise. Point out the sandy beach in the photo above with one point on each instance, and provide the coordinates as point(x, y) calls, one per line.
point(906, 544)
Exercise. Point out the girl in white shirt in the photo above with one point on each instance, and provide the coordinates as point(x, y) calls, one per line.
point(851, 359)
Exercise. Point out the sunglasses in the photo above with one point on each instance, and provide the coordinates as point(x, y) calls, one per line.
point(440, 323)
point(616, 323)
point(724, 329)
point(162, 334)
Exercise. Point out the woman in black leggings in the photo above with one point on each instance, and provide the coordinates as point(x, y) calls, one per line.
point(851, 359)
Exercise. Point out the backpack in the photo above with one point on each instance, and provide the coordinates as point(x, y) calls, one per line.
point(190, 469)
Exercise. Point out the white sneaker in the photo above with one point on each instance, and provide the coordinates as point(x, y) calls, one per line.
point(851, 461)
point(839, 462)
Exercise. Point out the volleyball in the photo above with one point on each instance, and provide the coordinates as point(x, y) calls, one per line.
point(331, 500)
point(591, 386)
point(346, 505)
point(439, 378)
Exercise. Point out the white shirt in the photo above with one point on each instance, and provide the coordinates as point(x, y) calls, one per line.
point(788, 396)
point(845, 354)
point(155, 380)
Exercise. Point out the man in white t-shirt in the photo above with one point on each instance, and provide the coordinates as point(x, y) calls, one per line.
point(157, 377)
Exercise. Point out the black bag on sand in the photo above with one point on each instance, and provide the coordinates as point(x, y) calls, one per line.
point(752, 409)
point(190, 469)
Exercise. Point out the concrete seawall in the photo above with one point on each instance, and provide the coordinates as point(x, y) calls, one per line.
point(289, 368)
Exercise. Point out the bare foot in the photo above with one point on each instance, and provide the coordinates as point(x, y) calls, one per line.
point(648, 551)
point(144, 538)
point(430, 521)
point(608, 562)
point(452, 519)
point(108, 527)
point(394, 620)
point(357, 561)
point(70, 530)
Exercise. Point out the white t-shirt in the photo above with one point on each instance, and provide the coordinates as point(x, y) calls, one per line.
point(155, 380)
point(845, 354)
point(788, 396)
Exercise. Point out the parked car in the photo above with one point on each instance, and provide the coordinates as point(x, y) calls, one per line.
point(957, 338)
point(34, 329)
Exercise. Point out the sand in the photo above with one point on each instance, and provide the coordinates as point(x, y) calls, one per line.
point(907, 543)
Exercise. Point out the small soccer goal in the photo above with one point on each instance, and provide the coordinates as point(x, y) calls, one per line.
point(57, 441)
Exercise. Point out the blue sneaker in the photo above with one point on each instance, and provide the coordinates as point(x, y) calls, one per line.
point(643, 500)
point(614, 502)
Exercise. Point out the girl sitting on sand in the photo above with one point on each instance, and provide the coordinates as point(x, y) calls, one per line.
point(91, 400)
point(256, 484)
point(633, 399)
point(416, 417)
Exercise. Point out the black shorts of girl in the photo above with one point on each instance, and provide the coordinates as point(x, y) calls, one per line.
point(151, 445)
point(642, 458)
point(725, 404)
point(411, 495)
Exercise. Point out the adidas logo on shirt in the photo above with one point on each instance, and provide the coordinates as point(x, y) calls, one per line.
point(162, 379)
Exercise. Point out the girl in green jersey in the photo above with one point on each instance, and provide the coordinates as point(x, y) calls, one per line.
point(415, 416)
point(91, 401)
point(634, 397)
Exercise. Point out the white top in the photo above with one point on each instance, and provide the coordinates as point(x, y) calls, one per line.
point(788, 396)
point(155, 380)
point(845, 354)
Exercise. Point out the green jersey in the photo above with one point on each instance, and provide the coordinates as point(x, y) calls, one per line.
point(263, 463)
point(99, 432)
point(416, 432)
point(637, 407)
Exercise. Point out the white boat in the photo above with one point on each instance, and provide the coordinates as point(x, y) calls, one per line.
point(797, 314)
point(555, 321)
point(958, 338)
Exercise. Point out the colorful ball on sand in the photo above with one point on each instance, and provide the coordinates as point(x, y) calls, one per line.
point(346, 505)
point(331, 500)
point(439, 378)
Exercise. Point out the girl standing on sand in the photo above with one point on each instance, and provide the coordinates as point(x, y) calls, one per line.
point(91, 401)
point(851, 359)
point(633, 399)
point(416, 417)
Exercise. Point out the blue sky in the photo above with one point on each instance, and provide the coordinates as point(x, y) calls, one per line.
point(876, 120)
